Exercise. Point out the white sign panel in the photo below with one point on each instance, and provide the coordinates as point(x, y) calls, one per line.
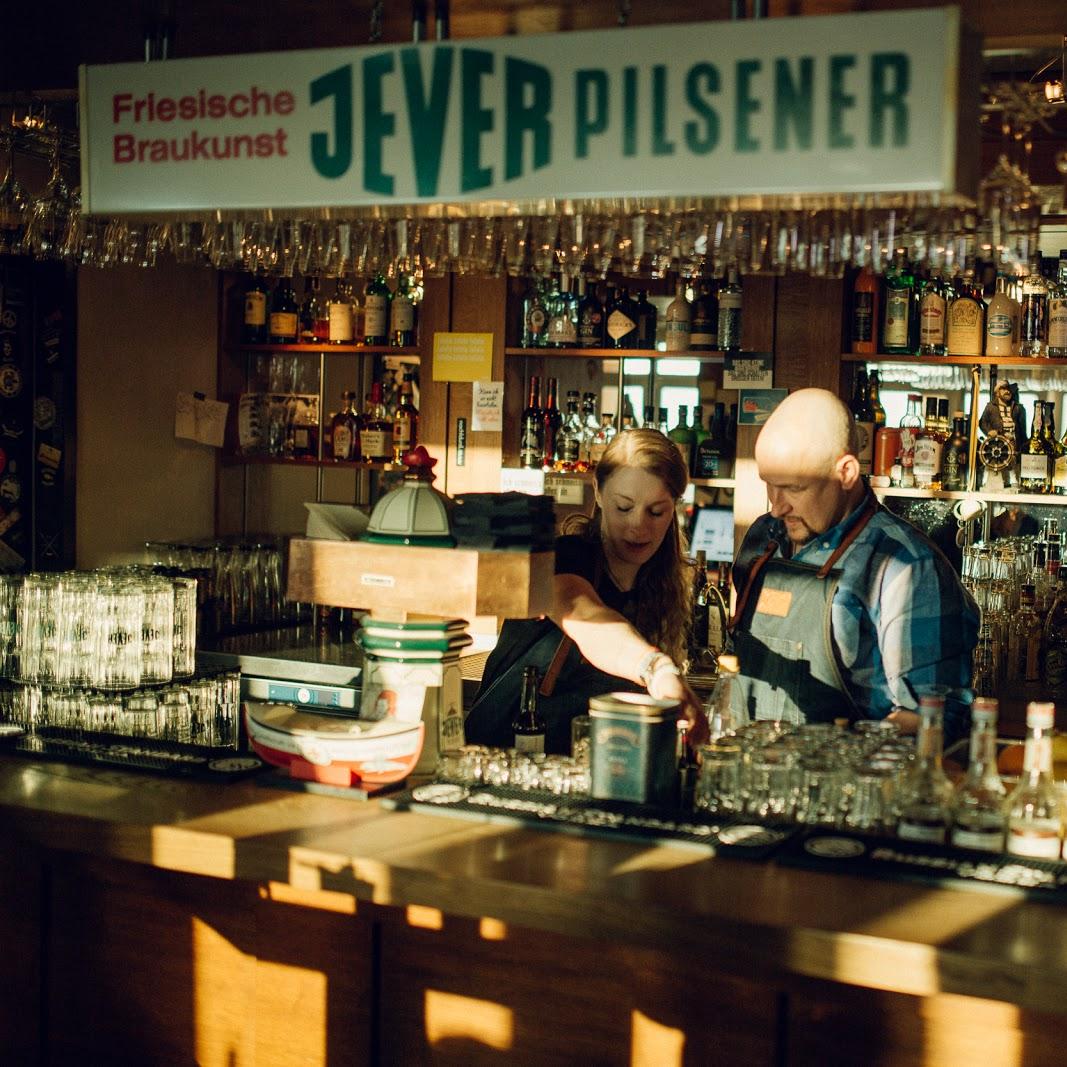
point(840, 103)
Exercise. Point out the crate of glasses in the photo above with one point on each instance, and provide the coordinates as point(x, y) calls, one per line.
point(202, 711)
point(108, 629)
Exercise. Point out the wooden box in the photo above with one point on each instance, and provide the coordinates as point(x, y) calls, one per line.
point(402, 579)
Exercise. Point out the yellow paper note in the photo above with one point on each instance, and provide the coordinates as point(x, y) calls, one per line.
point(462, 357)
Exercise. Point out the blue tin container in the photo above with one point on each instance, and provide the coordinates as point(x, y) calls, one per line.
point(633, 746)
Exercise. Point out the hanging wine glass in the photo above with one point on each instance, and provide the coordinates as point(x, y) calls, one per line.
point(12, 202)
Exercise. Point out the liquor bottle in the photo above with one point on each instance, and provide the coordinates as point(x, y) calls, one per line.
point(1035, 463)
point(682, 435)
point(966, 318)
point(1035, 828)
point(1052, 443)
point(704, 319)
point(344, 430)
point(569, 442)
point(730, 299)
point(405, 421)
point(314, 325)
point(661, 422)
point(707, 462)
point(699, 433)
point(284, 318)
point(698, 631)
point(719, 610)
point(590, 316)
point(621, 323)
point(984, 674)
point(932, 312)
point(590, 426)
point(926, 462)
point(563, 316)
point(900, 324)
point(1034, 324)
point(551, 420)
point(911, 425)
point(534, 315)
point(863, 413)
point(303, 441)
point(729, 453)
point(926, 794)
point(1054, 643)
point(376, 311)
point(1057, 310)
point(402, 315)
point(1000, 321)
point(376, 434)
point(254, 331)
point(978, 819)
point(1024, 640)
point(874, 386)
point(532, 429)
point(865, 313)
point(678, 321)
point(628, 419)
point(528, 724)
point(604, 435)
point(647, 318)
point(954, 457)
point(339, 314)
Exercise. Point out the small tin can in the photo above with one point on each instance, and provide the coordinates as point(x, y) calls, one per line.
point(633, 740)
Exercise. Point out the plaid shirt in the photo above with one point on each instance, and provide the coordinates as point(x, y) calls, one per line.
point(900, 619)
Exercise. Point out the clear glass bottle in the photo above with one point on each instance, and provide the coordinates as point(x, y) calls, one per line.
point(722, 719)
point(978, 818)
point(911, 425)
point(605, 434)
point(965, 335)
point(984, 674)
point(678, 321)
point(926, 795)
point(730, 301)
point(933, 308)
point(1034, 324)
point(345, 444)
point(562, 316)
point(1057, 310)
point(928, 448)
point(590, 425)
point(534, 315)
point(405, 421)
point(1035, 828)
point(1024, 640)
point(376, 435)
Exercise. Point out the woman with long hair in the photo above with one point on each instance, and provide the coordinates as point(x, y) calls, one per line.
point(622, 602)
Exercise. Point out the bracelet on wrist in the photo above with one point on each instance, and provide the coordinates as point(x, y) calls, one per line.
point(656, 663)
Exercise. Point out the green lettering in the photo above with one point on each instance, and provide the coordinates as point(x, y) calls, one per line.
point(426, 117)
point(338, 84)
point(477, 120)
point(884, 99)
point(377, 123)
point(523, 117)
point(794, 103)
point(746, 106)
point(702, 80)
point(629, 111)
point(590, 116)
point(660, 145)
point(840, 101)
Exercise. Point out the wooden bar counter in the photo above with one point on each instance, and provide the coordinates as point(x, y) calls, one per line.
point(151, 920)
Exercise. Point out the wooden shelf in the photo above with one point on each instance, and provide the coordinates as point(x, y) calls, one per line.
point(310, 461)
point(385, 350)
point(998, 498)
point(613, 353)
point(957, 361)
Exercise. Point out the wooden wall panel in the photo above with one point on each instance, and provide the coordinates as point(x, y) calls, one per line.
point(808, 332)
point(480, 992)
point(435, 314)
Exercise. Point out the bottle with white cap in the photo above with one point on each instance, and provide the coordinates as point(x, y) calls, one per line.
point(978, 804)
point(1035, 827)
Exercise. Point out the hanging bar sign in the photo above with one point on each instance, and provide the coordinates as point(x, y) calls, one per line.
point(820, 104)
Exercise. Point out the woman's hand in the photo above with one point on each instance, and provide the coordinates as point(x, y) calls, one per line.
point(666, 685)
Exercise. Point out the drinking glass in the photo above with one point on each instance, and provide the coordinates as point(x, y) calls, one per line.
point(10, 587)
point(157, 630)
point(820, 792)
point(183, 659)
point(118, 623)
point(871, 805)
point(580, 728)
point(769, 783)
point(718, 788)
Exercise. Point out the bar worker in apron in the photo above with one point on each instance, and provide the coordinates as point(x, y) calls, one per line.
point(843, 609)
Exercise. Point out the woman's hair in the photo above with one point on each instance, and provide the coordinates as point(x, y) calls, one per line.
point(663, 592)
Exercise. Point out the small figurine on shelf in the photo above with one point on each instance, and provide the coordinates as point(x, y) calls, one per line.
point(1004, 423)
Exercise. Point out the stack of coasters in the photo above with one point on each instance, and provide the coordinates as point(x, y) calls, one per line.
point(514, 521)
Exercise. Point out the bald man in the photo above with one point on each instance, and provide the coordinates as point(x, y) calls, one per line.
point(844, 609)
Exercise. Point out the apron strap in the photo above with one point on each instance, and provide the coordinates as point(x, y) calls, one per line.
point(548, 682)
point(861, 524)
point(742, 600)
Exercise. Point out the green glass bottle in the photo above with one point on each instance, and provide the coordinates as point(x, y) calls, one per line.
point(900, 325)
point(376, 312)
